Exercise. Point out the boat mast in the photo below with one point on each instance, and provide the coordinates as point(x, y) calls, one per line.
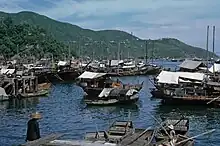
point(79, 50)
point(93, 53)
point(119, 51)
point(131, 45)
point(146, 51)
point(69, 50)
point(152, 58)
point(213, 48)
point(118, 55)
point(207, 48)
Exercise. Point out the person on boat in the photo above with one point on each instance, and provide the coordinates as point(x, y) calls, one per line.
point(116, 84)
point(172, 135)
point(33, 130)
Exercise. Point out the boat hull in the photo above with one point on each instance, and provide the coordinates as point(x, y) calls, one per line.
point(157, 93)
point(4, 98)
point(37, 94)
point(57, 77)
point(190, 101)
point(113, 101)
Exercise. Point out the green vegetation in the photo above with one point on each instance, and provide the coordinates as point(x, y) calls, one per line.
point(84, 41)
point(27, 40)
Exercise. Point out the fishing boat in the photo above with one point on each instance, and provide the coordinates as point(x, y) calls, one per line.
point(123, 133)
point(36, 94)
point(102, 90)
point(181, 127)
point(186, 88)
point(147, 137)
point(115, 134)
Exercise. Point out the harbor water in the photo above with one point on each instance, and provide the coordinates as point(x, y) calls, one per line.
point(64, 112)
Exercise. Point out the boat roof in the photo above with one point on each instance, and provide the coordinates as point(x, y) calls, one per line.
point(91, 75)
point(215, 68)
point(190, 64)
point(169, 77)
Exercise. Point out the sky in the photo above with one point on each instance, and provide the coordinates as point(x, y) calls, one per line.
point(186, 20)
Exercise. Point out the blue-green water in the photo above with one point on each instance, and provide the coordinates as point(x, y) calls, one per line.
point(64, 112)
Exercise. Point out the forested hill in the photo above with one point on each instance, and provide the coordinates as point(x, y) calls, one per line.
point(27, 29)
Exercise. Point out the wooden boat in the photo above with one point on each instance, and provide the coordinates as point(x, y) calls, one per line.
point(156, 93)
point(146, 138)
point(110, 96)
point(188, 96)
point(119, 130)
point(128, 69)
point(121, 133)
point(187, 88)
point(44, 86)
point(36, 94)
point(4, 98)
point(181, 127)
point(61, 76)
point(158, 136)
point(101, 90)
point(115, 134)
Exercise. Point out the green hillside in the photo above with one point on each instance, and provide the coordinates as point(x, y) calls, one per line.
point(105, 42)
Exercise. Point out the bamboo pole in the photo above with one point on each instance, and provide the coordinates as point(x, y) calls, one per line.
point(185, 140)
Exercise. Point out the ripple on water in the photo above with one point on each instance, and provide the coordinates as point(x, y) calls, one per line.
point(63, 111)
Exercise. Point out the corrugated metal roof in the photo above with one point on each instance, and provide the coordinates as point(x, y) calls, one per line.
point(190, 64)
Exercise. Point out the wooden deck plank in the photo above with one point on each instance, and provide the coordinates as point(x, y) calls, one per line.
point(136, 139)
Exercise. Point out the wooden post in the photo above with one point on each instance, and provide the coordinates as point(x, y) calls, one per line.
point(14, 88)
point(23, 82)
point(31, 84)
point(36, 84)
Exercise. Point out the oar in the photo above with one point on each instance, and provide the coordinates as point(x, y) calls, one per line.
point(210, 131)
point(152, 136)
point(181, 117)
point(213, 100)
point(97, 129)
point(161, 125)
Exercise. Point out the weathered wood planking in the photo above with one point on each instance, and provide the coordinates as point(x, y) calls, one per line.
point(138, 138)
point(42, 140)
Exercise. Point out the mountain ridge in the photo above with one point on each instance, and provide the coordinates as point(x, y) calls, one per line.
point(106, 42)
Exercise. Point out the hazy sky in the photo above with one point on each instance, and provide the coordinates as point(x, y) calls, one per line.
point(182, 19)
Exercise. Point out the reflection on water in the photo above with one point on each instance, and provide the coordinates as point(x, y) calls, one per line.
point(24, 103)
point(64, 112)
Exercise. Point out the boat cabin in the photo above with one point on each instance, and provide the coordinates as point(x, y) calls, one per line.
point(192, 66)
point(97, 80)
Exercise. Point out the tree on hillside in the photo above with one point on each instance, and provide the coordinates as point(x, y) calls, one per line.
point(23, 39)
